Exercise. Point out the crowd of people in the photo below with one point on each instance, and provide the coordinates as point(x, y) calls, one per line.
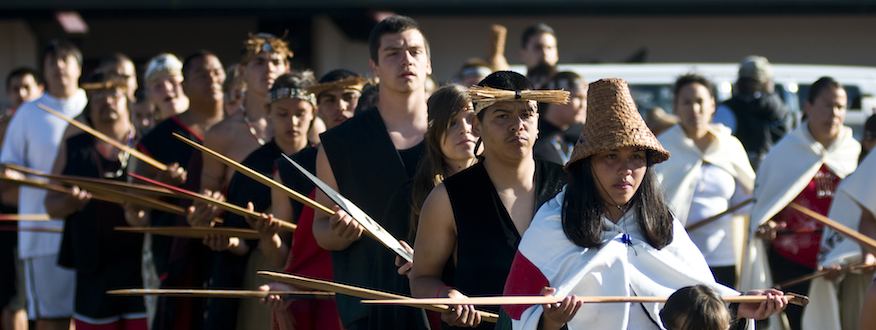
point(570, 195)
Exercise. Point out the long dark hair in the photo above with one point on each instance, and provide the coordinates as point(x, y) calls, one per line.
point(583, 208)
point(443, 105)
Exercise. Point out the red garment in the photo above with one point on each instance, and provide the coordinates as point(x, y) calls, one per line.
point(801, 240)
point(306, 258)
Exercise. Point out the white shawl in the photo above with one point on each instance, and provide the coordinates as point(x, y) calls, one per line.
point(615, 269)
point(679, 175)
point(854, 193)
point(782, 175)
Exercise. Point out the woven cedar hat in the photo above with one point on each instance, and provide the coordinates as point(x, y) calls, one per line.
point(614, 122)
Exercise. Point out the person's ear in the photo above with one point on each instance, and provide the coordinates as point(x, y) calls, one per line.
point(373, 67)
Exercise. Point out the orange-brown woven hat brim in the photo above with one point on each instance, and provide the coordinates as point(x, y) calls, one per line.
point(614, 122)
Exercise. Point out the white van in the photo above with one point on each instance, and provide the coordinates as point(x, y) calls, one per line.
point(651, 83)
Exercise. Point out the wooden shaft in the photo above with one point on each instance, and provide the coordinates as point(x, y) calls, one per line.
point(285, 225)
point(353, 291)
point(91, 182)
point(542, 300)
point(257, 176)
point(31, 229)
point(24, 217)
point(824, 272)
point(152, 203)
point(715, 217)
point(862, 239)
point(134, 152)
point(193, 232)
point(112, 196)
point(196, 293)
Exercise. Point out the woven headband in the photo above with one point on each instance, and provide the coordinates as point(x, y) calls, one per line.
point(483, 97)
point(292, 93)
point(354, 82)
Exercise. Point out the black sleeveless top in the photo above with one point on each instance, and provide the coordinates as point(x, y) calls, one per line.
point(161, 145)
point(486, 239)
point(369, 171)
point(292, 178)
point(89, 243)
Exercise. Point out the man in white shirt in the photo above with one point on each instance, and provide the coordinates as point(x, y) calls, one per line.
point(32, 140)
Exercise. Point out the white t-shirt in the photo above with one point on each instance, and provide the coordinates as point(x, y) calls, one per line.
point(32, 140)
point(715, 192)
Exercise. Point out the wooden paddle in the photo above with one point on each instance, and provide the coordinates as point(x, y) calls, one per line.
point(255, 175)
point(198, 293)
point(134, 152)
point(284, 225)
point(542, 300)
point(862, 239)
point(89, 182)
point(193, 232)
point(349, 290)
point(112, 196)
point(24, 217)
point(715, 217)
point(371, 227)
point(823, 272)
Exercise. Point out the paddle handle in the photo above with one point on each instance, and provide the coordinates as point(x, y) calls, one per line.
point(134, 152)
point(715, 217)
point(285, 225)
point(862, 239)
point(358, 292)
point(257, 176)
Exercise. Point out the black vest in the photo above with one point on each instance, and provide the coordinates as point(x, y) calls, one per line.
point(368, 171)
point(486, 239)
point(228, 268)
point(89, 243)
point(292, 178)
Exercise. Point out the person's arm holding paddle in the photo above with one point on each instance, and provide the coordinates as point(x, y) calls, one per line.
point(59, 205)
point(433, 247)
point(271, 244)
point(338, 231)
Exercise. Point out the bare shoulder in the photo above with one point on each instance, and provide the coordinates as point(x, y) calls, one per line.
point(225, 131)
point(436, 205)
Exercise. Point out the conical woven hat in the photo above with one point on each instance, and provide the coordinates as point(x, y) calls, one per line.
point(614, 122)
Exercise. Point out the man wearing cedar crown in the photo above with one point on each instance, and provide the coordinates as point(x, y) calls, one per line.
point(103, 259)
point(473, 221)
point(265, 57)
point(388, 146)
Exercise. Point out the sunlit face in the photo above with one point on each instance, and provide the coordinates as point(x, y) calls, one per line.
point(403, 62)
point(108, 106)
point(694, 106)
point(291, 119)
point(540, 49)
point(166, 93)
point(509, 129)
point(619, 174)
point(61, 71)
point(458, 142)
point(826, 114)
point(337, 105)
point(204, 79)
point(262, 70)
point(22, 89)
